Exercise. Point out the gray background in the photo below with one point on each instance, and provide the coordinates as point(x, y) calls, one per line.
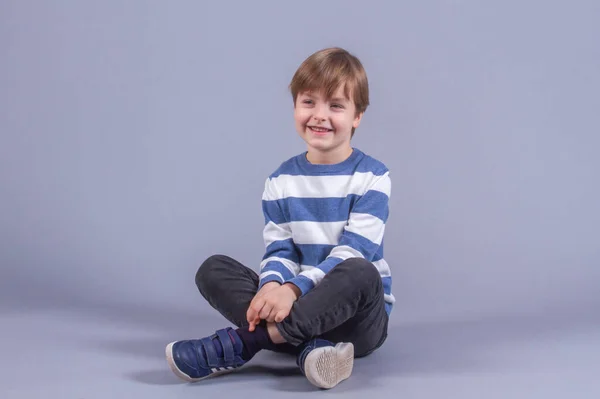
point(136, 137)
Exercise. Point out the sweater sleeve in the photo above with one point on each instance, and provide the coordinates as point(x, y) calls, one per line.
point(281, 261)
point(361, 237)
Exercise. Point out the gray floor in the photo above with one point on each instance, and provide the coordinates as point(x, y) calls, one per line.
point(117, 352)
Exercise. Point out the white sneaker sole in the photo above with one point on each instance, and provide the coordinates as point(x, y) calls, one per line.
point(328, 366)
point(184, 376)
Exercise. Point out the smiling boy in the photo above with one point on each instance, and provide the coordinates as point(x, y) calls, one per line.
point(324, 289)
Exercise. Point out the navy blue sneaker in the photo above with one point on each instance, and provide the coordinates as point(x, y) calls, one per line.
point(194, 360)
point(324, 364)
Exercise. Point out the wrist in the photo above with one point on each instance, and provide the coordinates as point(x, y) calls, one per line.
point(295, 290)
point(269, 286)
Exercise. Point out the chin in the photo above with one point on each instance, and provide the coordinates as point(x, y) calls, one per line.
point(320, 148)
point(318, 143)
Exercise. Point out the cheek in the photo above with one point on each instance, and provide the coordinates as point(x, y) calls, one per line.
point(301, 117)
point(341, 123)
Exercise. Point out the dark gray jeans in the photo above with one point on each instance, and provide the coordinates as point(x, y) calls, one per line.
point(347, 306)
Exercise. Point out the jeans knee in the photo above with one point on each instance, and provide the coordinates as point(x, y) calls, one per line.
point(361, 271)
point(207, 270)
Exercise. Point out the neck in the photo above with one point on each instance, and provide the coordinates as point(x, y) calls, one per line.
point(328, 158)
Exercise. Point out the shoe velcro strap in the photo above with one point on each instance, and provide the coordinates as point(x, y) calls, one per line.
point(228, 352)
point(211, 353)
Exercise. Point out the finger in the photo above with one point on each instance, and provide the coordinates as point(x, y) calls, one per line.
point(271, 317)
point(257, 304)
point(251, 314)
point(255, 322)
point(253, 309)
point(252, 326)
point(280, 316)
point(265, 311)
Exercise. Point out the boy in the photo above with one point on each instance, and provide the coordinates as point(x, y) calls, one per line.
point(324, 290)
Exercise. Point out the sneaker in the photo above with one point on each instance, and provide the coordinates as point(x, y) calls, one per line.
point(324, 364)
point(195, 360)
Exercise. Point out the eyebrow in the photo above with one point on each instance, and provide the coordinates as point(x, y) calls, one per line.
point(336, 99)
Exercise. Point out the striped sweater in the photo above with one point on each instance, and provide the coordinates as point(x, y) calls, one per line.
point(316, 216)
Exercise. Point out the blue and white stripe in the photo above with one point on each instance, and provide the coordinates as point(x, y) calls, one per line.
point(317, 216)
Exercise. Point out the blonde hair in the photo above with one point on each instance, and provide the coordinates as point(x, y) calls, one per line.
point(329, 69)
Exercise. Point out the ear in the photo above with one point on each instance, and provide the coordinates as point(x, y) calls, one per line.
point(357, 120)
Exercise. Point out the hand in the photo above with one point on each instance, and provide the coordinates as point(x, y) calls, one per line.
point(274, 306)
point(252, 318)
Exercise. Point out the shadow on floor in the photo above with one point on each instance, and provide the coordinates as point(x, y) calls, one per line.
point(478, 343)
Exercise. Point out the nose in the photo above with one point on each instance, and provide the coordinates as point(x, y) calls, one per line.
point(320, 113)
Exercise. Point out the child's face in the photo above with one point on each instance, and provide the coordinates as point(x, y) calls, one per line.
point(326, 124)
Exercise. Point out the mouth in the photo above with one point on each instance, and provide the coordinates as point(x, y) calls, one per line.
point(319, 130)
